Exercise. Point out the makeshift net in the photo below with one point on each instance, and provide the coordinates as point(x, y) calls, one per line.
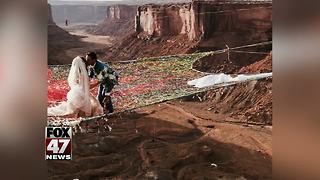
point(142, 82)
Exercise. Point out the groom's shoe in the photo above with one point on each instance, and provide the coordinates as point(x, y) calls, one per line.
point(108, 111)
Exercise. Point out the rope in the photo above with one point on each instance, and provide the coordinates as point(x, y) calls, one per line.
point(220, 12)
point(164, 58)
point(237, 1)
point(217, 12)
point(252, 45)
point(249, 52)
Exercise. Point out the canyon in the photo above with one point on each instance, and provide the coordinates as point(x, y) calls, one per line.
point(202, 19)
point(222, 133)
point(190, 27)
point(176, 28)
point(56, 47)
point(66, 43)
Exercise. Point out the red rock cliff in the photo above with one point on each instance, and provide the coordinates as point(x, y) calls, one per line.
point(119, 21)
point(121, 12)
point(160, 20)
point(200, 19)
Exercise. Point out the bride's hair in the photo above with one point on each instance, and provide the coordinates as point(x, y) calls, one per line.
point(93, 55)
point(78, 72)
point(84, 59)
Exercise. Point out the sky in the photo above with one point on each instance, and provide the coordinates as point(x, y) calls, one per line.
point(93, 0)
point(87, 0)
point(106, 2)
point(61, 1)
point(84, 0)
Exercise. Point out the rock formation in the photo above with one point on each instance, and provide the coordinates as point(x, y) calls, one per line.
point(120, 12)
point(161, 20)
point(197, 26)
point(201, 19)
point(119, 21)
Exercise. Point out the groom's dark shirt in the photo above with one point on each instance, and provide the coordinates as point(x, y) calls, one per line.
point(107, 78)
point(104, 73)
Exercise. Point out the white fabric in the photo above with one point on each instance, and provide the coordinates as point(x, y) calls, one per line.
point(79, 97)
point(223, 79)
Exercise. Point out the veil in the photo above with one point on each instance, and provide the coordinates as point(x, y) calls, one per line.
point(78, 98)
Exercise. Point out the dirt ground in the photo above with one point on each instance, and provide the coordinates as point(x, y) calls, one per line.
point(135, 46)
point(169, 141)
point(94, 43)
point(236, 63)
point(118, 28)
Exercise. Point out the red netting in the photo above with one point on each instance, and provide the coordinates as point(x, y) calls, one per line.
point(141, 83)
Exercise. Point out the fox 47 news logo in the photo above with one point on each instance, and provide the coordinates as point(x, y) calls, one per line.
point(58, 143)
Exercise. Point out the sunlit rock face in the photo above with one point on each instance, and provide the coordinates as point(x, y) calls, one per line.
point(121, 12)
point(201, 19)
point(163, 20)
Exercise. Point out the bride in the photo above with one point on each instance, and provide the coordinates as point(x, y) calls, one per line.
point(80, 102)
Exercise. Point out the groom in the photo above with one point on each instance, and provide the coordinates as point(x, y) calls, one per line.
point(107, 79)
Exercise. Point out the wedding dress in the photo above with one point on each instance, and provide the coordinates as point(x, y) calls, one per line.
point(79, 98)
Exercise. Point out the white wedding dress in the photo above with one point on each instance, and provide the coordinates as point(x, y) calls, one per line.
point(79, 98)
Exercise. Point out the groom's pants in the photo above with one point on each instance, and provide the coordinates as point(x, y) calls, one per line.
point(104, 91)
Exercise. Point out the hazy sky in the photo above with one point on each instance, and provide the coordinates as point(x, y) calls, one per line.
point(90, 0)
point(81, 0)
point(85, 0)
